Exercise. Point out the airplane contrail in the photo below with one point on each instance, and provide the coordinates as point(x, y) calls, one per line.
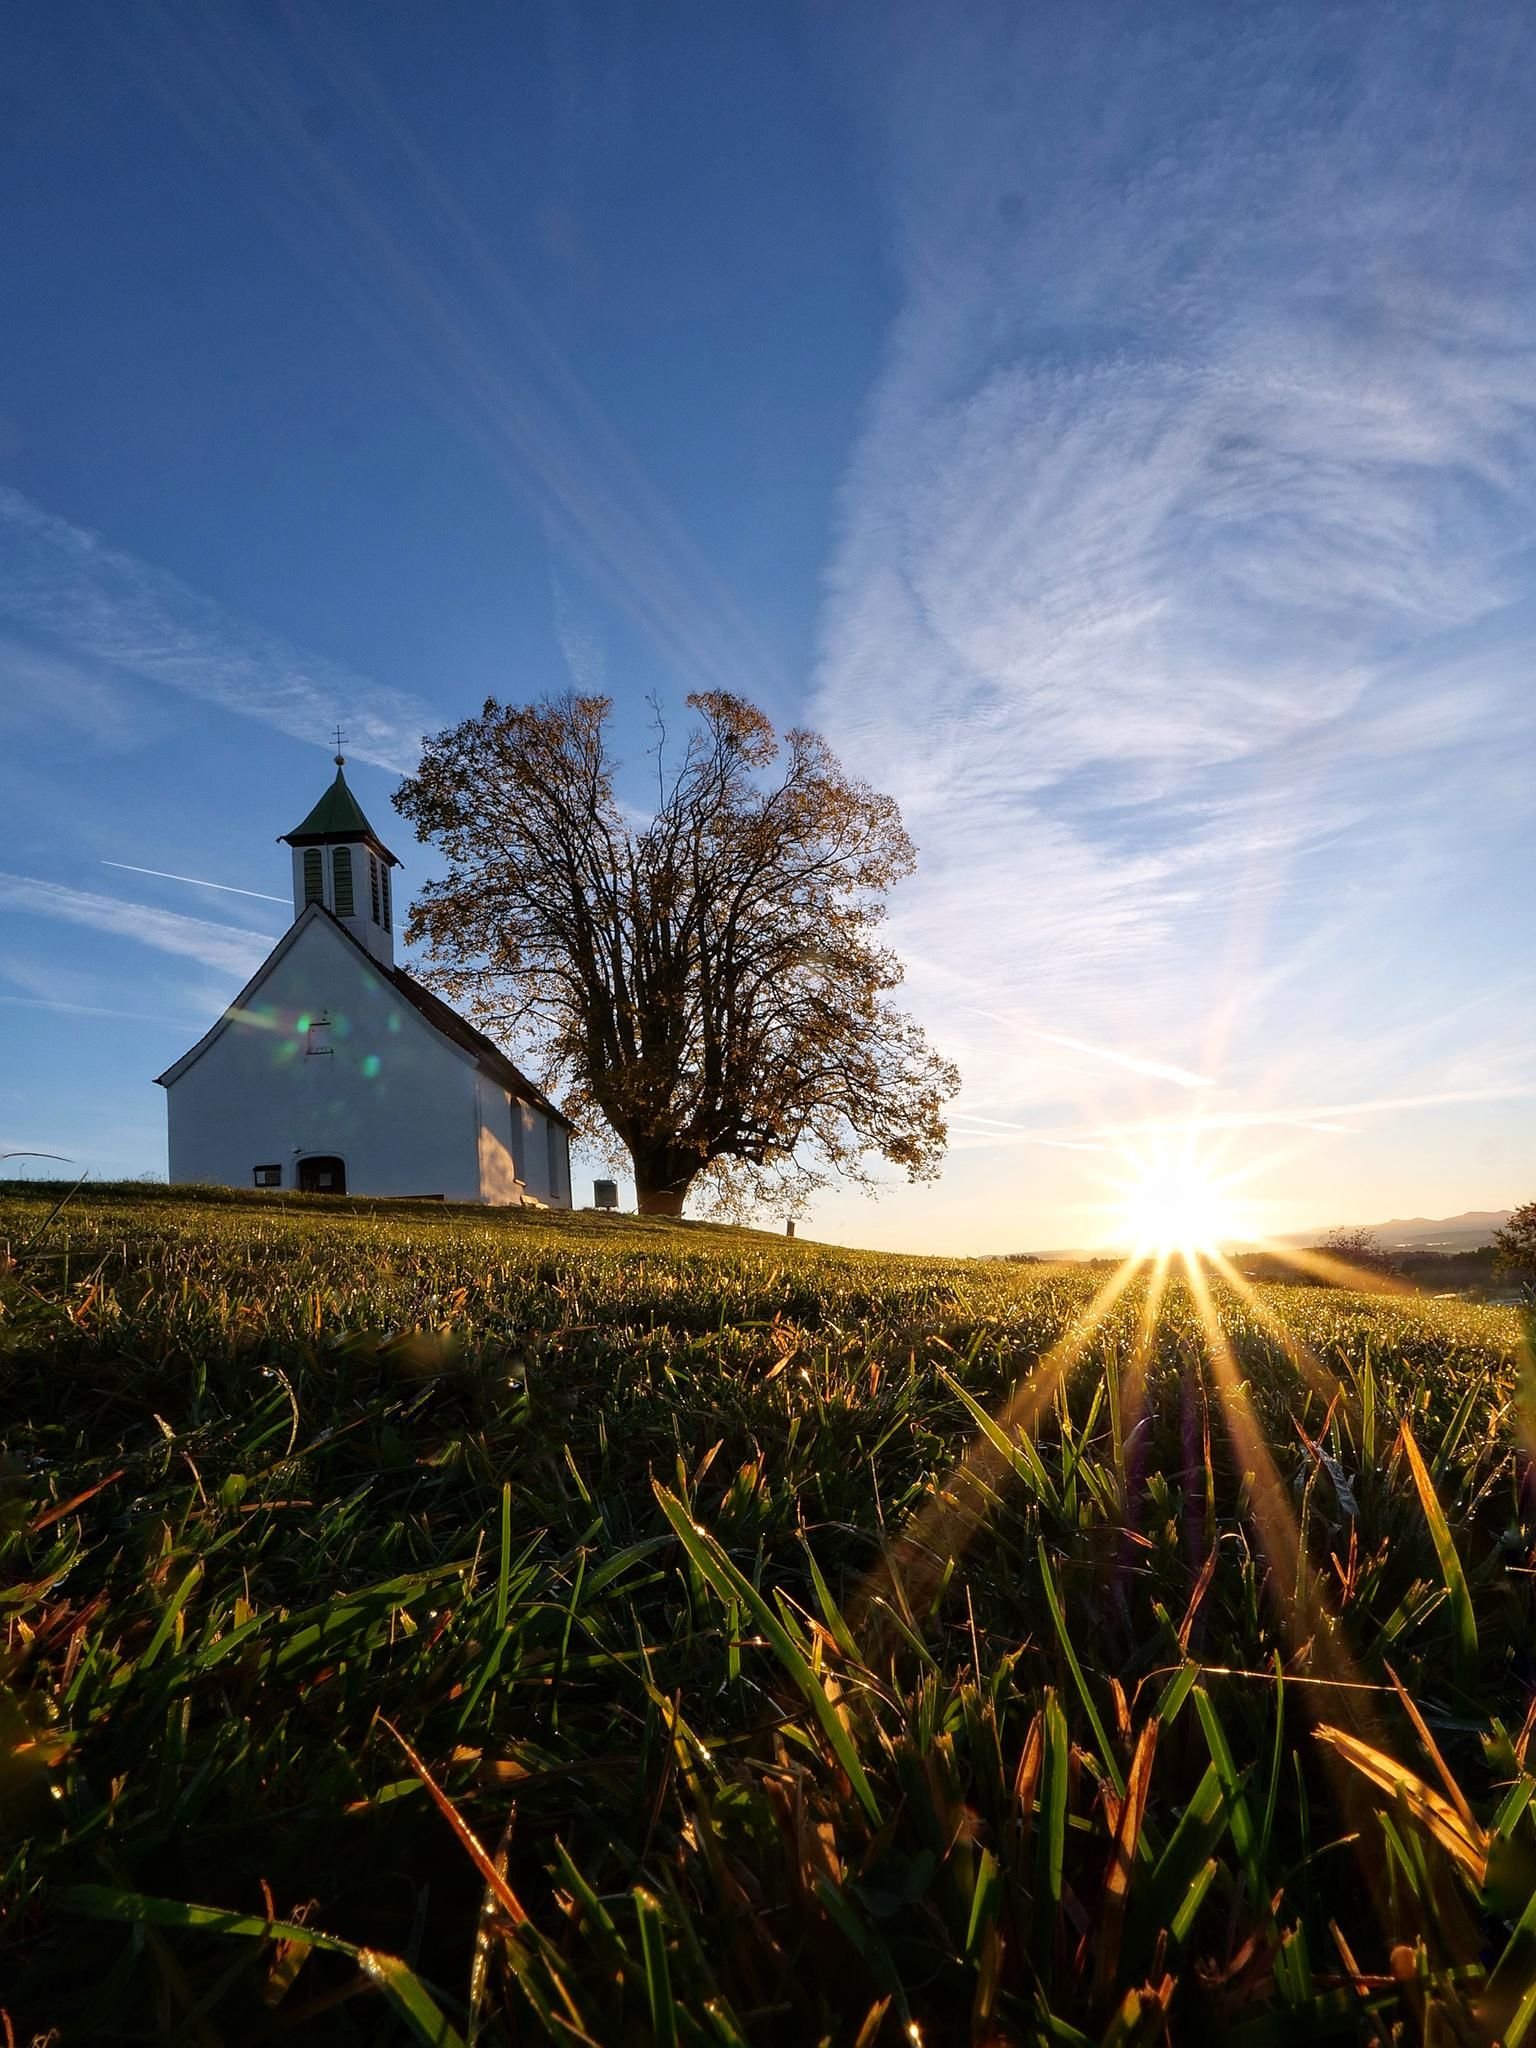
point(1023, 1134)
point(1158, 1070)
point(197, 881)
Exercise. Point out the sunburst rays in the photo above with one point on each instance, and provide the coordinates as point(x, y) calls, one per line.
point(1316, 1655)
point(914, 1564)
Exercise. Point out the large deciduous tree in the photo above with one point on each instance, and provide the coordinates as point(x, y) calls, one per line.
point(705, 977)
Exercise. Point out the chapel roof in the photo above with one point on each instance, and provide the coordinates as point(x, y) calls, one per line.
point(493, 1061)
point(336, 819)
point(486, 1053)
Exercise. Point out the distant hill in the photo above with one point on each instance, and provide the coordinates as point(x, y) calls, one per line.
point(1468, 1232)
point(1463, 1233)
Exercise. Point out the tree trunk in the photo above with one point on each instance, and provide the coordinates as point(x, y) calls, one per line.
point(661, 1184)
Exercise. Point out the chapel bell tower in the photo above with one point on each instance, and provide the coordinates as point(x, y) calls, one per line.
point(340, 861)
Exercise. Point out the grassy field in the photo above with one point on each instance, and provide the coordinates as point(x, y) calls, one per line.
point(429, 1626)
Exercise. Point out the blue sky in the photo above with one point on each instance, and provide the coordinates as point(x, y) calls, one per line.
point(1113, 427)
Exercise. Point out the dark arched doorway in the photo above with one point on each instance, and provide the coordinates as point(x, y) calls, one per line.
point(322, 1175)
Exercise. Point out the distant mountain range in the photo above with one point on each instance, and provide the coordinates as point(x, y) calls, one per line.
point(1463, 1233)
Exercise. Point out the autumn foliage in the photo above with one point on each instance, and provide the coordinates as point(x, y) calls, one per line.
point(705, 981)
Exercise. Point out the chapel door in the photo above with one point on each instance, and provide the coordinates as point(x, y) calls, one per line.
point(322, 1176)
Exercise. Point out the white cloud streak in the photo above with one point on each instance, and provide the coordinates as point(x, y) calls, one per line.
point(225, 947)
point(1179, 593)
point(103, 605)
point(581, 645)
point(402, 257)
point(42, 690)
point(1314, 1119)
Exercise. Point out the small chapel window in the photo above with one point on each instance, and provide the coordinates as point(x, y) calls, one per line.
point(319, 1035)
point(313, 886)
point(269, 1176)
point(341, 875)
point(373, 877)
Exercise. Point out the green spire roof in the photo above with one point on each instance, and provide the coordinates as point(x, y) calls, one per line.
point(337, 817)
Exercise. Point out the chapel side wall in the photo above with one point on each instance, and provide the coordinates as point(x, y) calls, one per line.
point(391, 1098)
point(560, 1164)
point(500, 1182)
point(533, 1151)
point(543, 1152)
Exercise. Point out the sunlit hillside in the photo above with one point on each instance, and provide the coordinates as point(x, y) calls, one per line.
point(459, 1625)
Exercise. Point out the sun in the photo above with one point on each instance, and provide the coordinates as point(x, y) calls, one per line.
point(1175, 1201)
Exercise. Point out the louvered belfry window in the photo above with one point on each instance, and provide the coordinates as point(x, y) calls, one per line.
point(314, 887)
point(373, 878)
point(341, 876)
point(384, 890)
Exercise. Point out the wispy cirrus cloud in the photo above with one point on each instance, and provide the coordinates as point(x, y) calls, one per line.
point(396, 248)
point(421, 280)
point(228, 948)
point(70, 588)
point(1181, 586)
point(1317, 1118)
point(42, 688)
point(94, 1010)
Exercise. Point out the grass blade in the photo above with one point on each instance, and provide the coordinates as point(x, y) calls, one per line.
point(1017, 1450)
point(1053, 1601)
point(404, 1990)
point(411, 1999)
point(502, 1892)
point(1239, 1819)
point(1051, 1842)
point(109, 1902)
point(504, 1570)
point(731, 1584)
point(162, 1634)
point(1455, 1578)
point(1122, 1859)
point(1466, 1845)
point(1511, 1989)
point(658, 1977)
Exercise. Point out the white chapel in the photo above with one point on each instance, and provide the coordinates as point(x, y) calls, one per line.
point(334, 1072)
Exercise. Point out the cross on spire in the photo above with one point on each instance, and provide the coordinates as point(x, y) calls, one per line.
point(341, 759)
